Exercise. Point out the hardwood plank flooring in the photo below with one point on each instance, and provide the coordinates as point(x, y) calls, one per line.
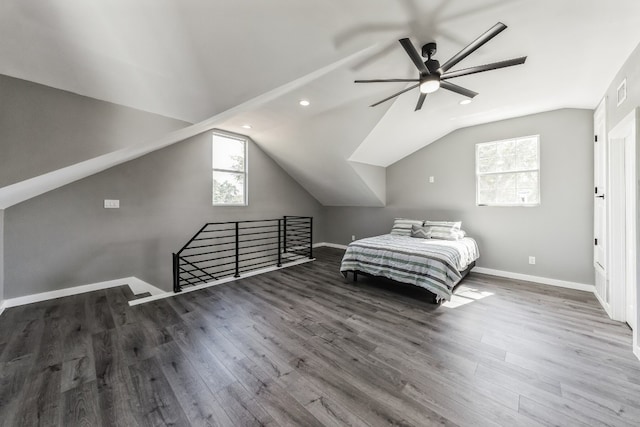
point(305, 347)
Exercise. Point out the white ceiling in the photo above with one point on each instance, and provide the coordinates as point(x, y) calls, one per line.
point(195, 59)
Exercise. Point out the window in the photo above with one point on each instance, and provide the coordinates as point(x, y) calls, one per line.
point(229, 163)
point(508, 172)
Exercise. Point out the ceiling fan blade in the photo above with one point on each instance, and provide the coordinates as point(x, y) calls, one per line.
point(386, 80)
point(414, 55)
point(457, 89)
point(491, 33)
point(395, 94)
point(486, 67)
point(420, 101)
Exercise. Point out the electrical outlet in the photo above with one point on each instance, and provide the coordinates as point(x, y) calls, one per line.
point(353, 237)
point(111, 204)
point(532, 260)
point(432, 179)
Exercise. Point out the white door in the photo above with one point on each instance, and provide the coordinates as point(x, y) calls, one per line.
point(622, 263)
point(600, 204)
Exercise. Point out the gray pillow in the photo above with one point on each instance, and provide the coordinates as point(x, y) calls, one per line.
point(420, 232)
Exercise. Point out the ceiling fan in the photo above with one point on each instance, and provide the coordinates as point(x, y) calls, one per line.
point(434, 76)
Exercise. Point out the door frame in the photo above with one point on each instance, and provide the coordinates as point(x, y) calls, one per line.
point(600, 229)
point(622, 218)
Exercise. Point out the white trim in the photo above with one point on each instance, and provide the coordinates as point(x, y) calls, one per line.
point(616, 257)
point(518, 276)
point(500, 273)
point(140, 286)
point(604, 305)
point(536, 279)
point(217, 282)
point(245, 170)
point(32, 187)
point(291, 249)
point(623, 267)
point(621, 98)
point(329, 245)
point(600, 205)
point(137, 287)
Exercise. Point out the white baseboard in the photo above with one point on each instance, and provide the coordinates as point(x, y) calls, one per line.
point(329, 245)
point(140, 286)
point(137, 287)
point(218, 282)
point(500, 273)
point(536, 279)
point(2, 306)
point(636, 351)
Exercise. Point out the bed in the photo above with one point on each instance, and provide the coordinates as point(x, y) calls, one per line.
point(434, 264)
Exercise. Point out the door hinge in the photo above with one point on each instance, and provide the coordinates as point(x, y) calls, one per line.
point(595, 138)
point(596, 190)
point(595, 242)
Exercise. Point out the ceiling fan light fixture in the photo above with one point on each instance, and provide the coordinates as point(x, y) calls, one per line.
point(465, 101)
point(432, 76)
point(430, 84)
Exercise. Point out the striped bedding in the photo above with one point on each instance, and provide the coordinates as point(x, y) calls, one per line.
point(428, 263)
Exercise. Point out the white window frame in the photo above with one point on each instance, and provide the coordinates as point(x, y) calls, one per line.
point(245, 141)
point(478, 174)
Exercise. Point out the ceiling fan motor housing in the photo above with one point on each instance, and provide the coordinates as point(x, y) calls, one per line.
point(429, 49)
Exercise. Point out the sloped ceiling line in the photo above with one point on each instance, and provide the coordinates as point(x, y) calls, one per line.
point(24, 190)
point(192, 60)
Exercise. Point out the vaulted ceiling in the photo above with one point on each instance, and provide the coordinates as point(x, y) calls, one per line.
point(206, 61)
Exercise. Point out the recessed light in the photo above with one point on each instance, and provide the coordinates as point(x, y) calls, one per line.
point(247, 126)
point(465, 102)
point(304, 102)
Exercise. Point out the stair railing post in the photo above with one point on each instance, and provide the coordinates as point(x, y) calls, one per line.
point(311, 237)
point(284, 249)
point(237, 250)
point(279, 243)
point(176, 273)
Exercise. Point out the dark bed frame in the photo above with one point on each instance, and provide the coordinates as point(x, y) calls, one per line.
point(463, 273)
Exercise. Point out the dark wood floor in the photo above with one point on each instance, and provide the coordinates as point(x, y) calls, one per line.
point(304, 347)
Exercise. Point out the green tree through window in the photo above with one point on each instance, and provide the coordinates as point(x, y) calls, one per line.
point(229, 170)
point(508, 172)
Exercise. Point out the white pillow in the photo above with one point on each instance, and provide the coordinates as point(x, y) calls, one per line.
point(445, 230)
point(402, 226)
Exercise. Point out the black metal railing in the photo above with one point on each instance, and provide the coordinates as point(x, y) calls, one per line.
point(224, 249)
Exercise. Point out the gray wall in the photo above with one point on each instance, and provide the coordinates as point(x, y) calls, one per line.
point(558, 232)
point(631, 71)
point(44, 129)
point(66, 238)
point(1, 256)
